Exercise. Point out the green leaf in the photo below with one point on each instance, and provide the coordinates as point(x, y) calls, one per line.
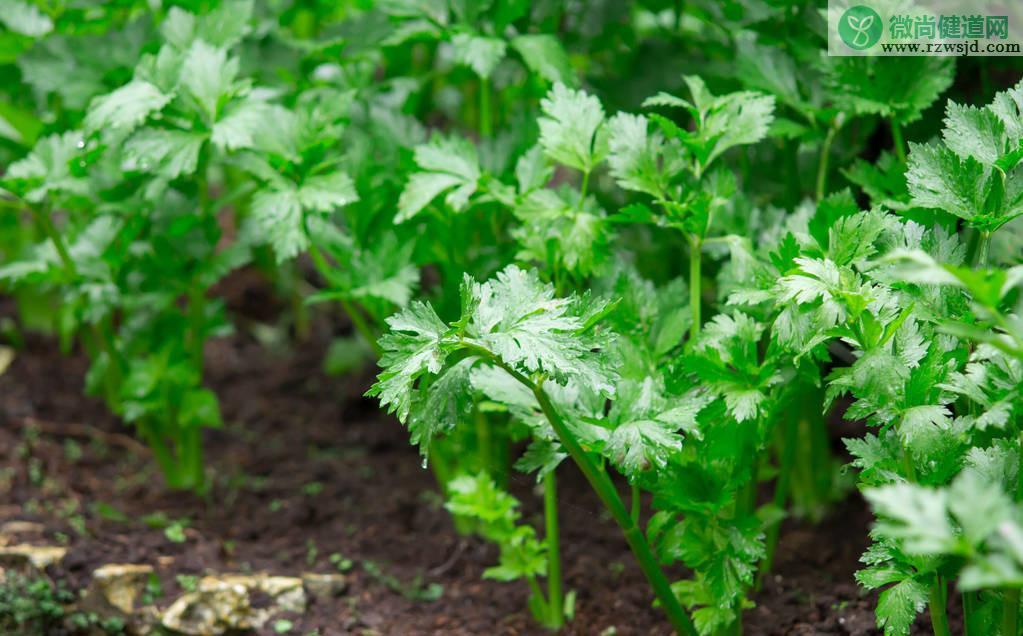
point(647, 425)
point(422, 188)
point(24, 18)
point(224, 26)
point(383, 270)
point(816, 280)
point(278, 215)
point(480, 498)
point(571, 129)
point(541, 457)
point(938, 178)
point(513, 318)
point(879, 576)
point(162, 70)
point(178, 28)
point(227, 24)
point(167, 153)
point(639, 160)
point(327, 192)
point(208, 75)
point(722, 122)
point(520, 320)
point(979, 506)
point(544, 55)
point(411, 349)
point(638, 445)
point(440, 408)
point(771, 69)
point(922, 423)
point(200, 407)
point(898, 88)
point(556, 229)
point(915, 516)
point(47, 169)
point(126, 108)
point(532, 170)
point(877, 460)
point(481, 54)
point(19, 125)
point(974, 132)
point(240, 124)
point(851, 238)
point(1008, 108)
point(451, 165)
point(884, 181)
point(496, 513)
point(736, 119)
point(898, 606)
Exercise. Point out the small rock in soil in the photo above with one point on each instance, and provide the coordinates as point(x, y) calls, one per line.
point(30, 559)
point(116, 587)
point(222, 604)
point(324, 586)
point(11, 531)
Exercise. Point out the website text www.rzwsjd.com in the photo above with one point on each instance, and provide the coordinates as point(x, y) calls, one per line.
point(966, 48)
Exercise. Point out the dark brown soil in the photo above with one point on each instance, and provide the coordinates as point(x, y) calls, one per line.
point(306, 468)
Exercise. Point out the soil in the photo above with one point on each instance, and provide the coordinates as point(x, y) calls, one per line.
point(306, 468)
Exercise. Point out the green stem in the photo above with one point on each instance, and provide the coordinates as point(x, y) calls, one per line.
point(442, 473)
point(358, 321)
point(1010, 612)
point(197, 324)
point(822, 165)
point(939, 612)
point(821, 459)
point(752, 488)
point(897, 141)
point(680, 7)
point(534, 587)
point(781, 493)
point(190, 459)
point(695, 261)
point(299, 310)
point(907, 465)
point(981, 248)
point(605, 490)
point(189, 440)
point(746, 495)
point(969, 611)
point(602, 485)
point(556, 604)
point(486, 125)
point(500, 454)
point(1019, 469)
point(58, 242)
point(100, 332)
point(202, 185)
point(637, 503)
point(438, 466)
point(361, 326)
point(104, 338)
point(583, 188)
point(163, 455)
point(483, 444)
point(1011, 597)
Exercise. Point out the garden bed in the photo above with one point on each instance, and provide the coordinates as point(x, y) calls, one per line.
point(306, 468)
point(639, 279)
